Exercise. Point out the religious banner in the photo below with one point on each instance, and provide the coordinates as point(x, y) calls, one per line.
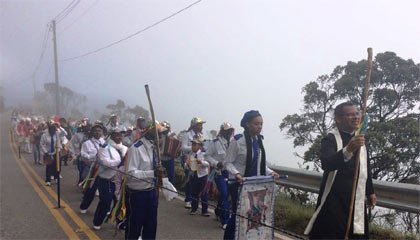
point(256, 203)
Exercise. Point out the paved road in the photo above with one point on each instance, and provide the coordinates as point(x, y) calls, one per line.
point(28, 208)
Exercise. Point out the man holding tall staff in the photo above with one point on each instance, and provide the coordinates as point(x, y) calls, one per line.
point(339, 150)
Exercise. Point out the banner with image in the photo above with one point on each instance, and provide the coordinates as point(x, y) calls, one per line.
point(255, 202)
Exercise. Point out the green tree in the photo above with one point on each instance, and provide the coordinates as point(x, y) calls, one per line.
point(126, 114)
point(131, 114)
point(393, 108)
point(71, 103)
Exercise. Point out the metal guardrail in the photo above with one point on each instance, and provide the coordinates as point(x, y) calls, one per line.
point(399, 196)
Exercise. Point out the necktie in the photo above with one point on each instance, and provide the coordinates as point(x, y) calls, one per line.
point(52, 144)
point(155, 180)
point(255, 153)
point(154, 158)
point(120, 153)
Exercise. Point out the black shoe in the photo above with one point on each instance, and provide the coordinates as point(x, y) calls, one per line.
point(193, 212)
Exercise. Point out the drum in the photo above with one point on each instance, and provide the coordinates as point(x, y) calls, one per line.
point(172, 147)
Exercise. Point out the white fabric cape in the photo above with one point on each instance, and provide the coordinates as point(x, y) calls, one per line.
point(359, 205)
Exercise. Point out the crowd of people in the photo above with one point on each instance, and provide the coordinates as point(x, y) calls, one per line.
point(131, 150)
point(120, 164)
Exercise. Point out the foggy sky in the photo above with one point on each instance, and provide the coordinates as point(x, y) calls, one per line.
point(215, 60)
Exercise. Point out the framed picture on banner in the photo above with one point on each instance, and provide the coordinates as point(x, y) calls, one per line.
point(255, 202)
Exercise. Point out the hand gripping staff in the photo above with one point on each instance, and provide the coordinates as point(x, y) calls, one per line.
point(357, 163)
point(156, 142)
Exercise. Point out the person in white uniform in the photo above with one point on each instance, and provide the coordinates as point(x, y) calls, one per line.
point(110, 156)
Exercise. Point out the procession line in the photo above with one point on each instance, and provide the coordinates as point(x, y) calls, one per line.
point(72, 214)
point(57, 215)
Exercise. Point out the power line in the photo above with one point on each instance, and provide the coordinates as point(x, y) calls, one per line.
point(65, 9)
point(43, 48)
point(69, 8)
point(83, 14)
point(131, 35)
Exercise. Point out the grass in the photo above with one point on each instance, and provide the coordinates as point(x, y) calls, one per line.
point(293, 216)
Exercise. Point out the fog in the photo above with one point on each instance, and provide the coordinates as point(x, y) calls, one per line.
point(217, 59)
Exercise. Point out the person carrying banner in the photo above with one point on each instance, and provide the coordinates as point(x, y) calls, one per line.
point(215, 155)
point(245, 157)
point(109, 156)
point(338, 153)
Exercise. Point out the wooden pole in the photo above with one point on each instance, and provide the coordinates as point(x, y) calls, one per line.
point(357, 163)
point(57, 84)
point(157, 144)
point(58, 163)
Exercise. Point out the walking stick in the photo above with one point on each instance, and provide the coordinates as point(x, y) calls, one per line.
point(357, 163)
point(58, 164)
point(157, 145)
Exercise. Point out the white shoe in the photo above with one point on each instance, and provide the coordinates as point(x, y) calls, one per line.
point(61, 176)
point(187, 205)
point(97, 227)
point(83, 211)
point(108, 213)
point(97, 193)
point(48, 184)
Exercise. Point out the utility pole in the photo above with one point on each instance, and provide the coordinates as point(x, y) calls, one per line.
point(57, 93)
point(57, 112)
point(34, 99)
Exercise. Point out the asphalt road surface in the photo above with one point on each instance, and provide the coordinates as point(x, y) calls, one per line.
point(29, 208)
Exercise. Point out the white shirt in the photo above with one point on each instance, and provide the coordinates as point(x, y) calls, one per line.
point(90, 149)
point(186, 141)
point(75, 144)
point(216, 151)
point(63, 135)
point(203, 168)
point(235, 161)
point(45, 143)
point(110, 158)
point(140, 165)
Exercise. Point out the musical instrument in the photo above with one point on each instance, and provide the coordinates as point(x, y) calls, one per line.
point(193, 163)
point(172, 147)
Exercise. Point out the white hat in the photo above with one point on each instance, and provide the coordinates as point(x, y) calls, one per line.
point(118, 129)
point(226, 126)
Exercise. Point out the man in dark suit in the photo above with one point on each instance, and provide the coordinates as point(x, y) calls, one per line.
point(339, 151)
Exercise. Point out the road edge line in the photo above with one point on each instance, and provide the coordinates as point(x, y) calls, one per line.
point(68, 230)
point(72, 214)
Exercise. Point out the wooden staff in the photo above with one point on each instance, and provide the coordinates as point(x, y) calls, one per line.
point(157, 145)
point(357, 163)
point(58, 169)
